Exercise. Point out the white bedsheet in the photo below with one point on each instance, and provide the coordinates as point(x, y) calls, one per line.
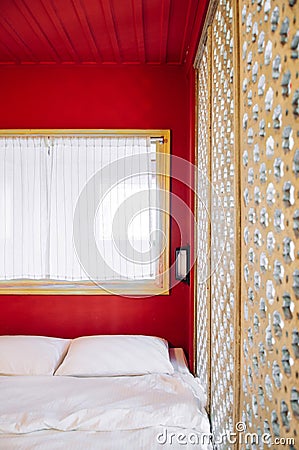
point(108, 413)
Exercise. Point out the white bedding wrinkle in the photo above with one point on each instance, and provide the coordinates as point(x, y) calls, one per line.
point(29, 404)
point(141, 439)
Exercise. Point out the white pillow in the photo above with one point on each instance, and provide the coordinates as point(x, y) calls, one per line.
point(116, 355)
point(31, 355)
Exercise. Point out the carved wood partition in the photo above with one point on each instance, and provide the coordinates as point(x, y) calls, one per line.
point(203, 224)
point(248, 148)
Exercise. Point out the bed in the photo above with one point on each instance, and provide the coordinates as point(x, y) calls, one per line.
point(98, 392)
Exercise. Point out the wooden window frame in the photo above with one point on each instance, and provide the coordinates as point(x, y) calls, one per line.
point(127, 288)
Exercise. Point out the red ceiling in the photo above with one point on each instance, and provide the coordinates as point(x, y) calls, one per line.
point(98, 31)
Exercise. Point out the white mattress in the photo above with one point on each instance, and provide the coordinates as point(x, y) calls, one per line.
point(147, 412)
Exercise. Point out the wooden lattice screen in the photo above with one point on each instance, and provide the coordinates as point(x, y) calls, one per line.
point(203, 224)
point(270, 280)
point(249, 65)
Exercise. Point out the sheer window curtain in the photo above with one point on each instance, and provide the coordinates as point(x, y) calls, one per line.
point(41, 179)
point(23, 208)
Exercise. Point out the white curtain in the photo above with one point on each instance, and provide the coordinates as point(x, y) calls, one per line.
point(41, 180)
point(23, 208)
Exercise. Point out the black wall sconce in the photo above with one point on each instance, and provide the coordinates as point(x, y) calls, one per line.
point(182, 264)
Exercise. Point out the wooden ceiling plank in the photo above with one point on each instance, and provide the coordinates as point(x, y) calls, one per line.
point(111, 29)
point(35, 26)
point(66, 34)
point(165, 17)
point(137, 6)
point(16, 37)
point(11, 54)
point(185, 35)
point(87, 28)
point(97, 31)
point(53, 16)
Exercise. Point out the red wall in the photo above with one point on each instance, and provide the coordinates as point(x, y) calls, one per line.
point(101, 97)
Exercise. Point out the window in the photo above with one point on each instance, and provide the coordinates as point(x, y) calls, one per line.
point(84, 211)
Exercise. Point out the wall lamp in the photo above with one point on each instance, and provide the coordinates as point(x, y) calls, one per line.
point(182, 264)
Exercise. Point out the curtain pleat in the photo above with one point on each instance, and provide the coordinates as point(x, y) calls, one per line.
point(23, 228)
